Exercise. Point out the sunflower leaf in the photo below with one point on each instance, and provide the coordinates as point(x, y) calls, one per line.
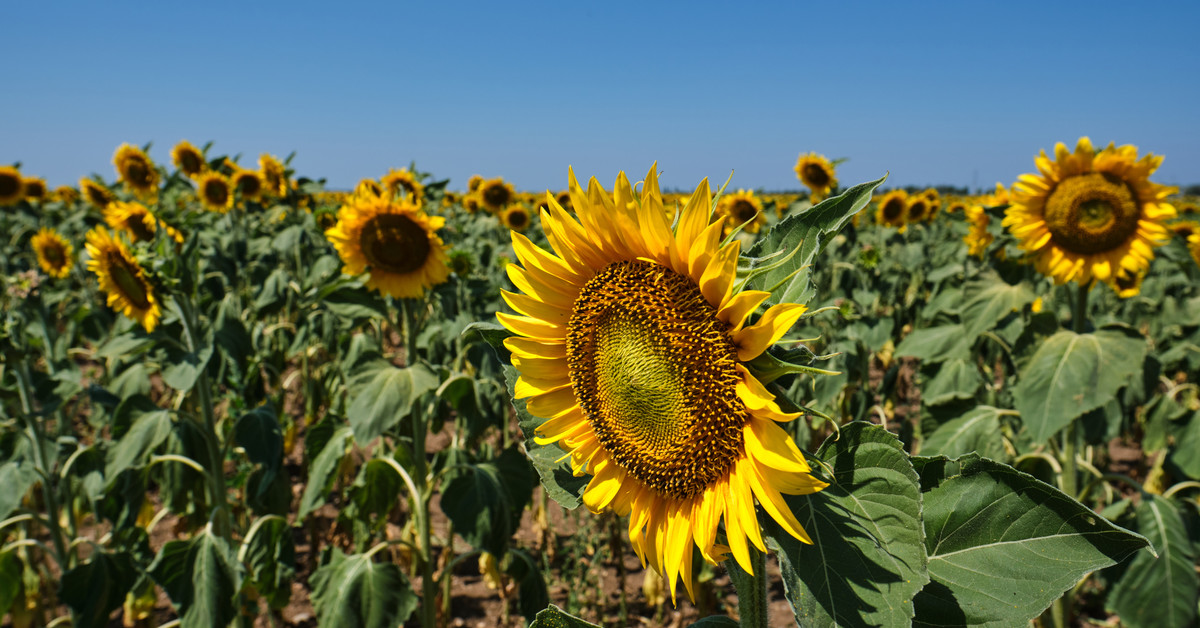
point(1162, 590)
point(1071, 374)
point(1003, 545)
point(807, 232)
point(355, 591)
point(555, 617)
point(867, 560)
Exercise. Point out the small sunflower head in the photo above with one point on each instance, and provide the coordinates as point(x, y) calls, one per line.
point(496, 194)
point(249, 184)
point(816, 172)
point(54, 254)
point(66, 194)
point(402, 184)
point(188, 159)
point(215, 191)
point(516, 217)
point(95, 193)
point(12, 186)
point(136, 170)
point(35, 189)
point(274, 175)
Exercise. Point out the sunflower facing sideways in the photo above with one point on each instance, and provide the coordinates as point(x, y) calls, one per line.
point(631, 343)
point(122, 279)
point(817, 173)
point(54, 253)
point(136, 221)
point(95, 192)
point(393, 240)
point(1091, 215)
point(136, 170)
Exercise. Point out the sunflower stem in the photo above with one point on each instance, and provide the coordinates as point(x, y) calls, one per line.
point(751, 589)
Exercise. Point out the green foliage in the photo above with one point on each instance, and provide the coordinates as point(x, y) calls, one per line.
point(357, 592)
point(201, 576)
point(1159, 590)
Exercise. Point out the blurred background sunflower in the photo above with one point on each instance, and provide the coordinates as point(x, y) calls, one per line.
point(54, 253)
point(394, 241)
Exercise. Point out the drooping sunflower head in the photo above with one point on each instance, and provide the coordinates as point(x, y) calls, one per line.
point(978, 237)
point(35, 189)
point(516, 217)
point(496, 194)
point(404, 184)
point(632, 342)
point(12, 186)
point(132, 218)
point(249, 183)
point(66, 194)
point(474, 182)
point(215, 191)
point(393, 240)
point(136, 170)
point(122, 279)
point(1090, 215)
point(188, 159)
point(817, 173)
point(893, 209)
point(274, 175)
point(95, 193)
point(54, 254)
point(742, 208)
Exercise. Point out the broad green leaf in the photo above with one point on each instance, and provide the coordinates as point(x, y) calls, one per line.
point(990, 300)
point(956, 379)
point(867, 560)
point(353, 303)
point(809, 231)
point(258, 432)
point(125, 345)
point(484, 501)
point(148, 431)
point(269, 555)
point(322, 471)
point(183, 368)
point(1071, 374)
point(526, 571)
point(1003, 545)
point(1185, 455)
point(231, 336)
point(201, 576)
point(355, 592)
point(388, 398)
point(977, 431)
point(1163, 590)
point(17, 477)
point(97, 588)
point(10, 579)
point(563, 486)
point(377, 488)
point(935, 344)
point(555, 617)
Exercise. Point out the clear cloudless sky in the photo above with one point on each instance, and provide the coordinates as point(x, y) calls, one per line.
point(962, 93)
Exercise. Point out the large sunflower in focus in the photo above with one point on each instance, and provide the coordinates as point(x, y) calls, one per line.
point(395, 241)
point(631, 343)
point(893, 209)
point(136, 170)
point(54, 253)
point(1091, 215)
point(817, 173)
point(12, 186)
point(188, 159)
point(215, 191)
point(122, 279)
point(403, 182)
point(742, 208)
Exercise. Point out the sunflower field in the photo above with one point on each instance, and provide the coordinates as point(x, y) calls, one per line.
point(232, 396)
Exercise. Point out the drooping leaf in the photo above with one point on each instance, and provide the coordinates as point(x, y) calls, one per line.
point(355, 592)
point(555, 617)
point(269, 554)
point(1071, 374)
point(1185, 455)
point(10, 579)
point(201, 576)
point(147, 432)
point(1003, 545)
point(1162, 590)
point(976, 431)
point(867, 560)
point(956, 379)
point(484, 501)
point(990, 300)
point(96, 588)
point(322, 471)
point(17, 477)
point(258, 432)
point(377, 488)
point(810, 231)
point(526, 572)
point(387, 398)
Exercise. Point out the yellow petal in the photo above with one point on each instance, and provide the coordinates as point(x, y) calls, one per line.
point(717, 280)
point(527, 347)
point(769, 445)
point(553, 403)
point(759, 401)
point(772, 502)
point(743, 304)
point(753, 340)
point(603, 488)
point(531, 327)
point(540, 310)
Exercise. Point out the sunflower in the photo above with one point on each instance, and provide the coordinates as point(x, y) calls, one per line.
point(122, 279)
point(450, 198)
point(893, 209)
point(66, 194)
point(396, 181)
point(53, 252)
point(1127, 284)
point(12, 186)
point(955, 205)
point(474, 182)
point(472, 203)
point(188, 159)
point(136, 221)
point(742, 208)
point(917, 209)
point(95, 192)
point(136, 170)
point(516, 217)
point(496, 194)
point(215, 191)
point(274, 175)
point(817, 173)
point(369, 188)
point(978, 237)
point(1193, 243)
point(631, 343)
point(564, 199)
point(1090, 215)
point(1185, 228)
point(249, 183)
point(998, 198)
point(395, 241)
point(934, 202)
point(35, 188)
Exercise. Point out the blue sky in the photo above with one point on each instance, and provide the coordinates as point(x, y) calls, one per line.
point(962, 93)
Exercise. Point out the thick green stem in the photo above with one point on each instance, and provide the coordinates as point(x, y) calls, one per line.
point(34, 427)
point(216, 462)
point(408, 310)
point(751, 590)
